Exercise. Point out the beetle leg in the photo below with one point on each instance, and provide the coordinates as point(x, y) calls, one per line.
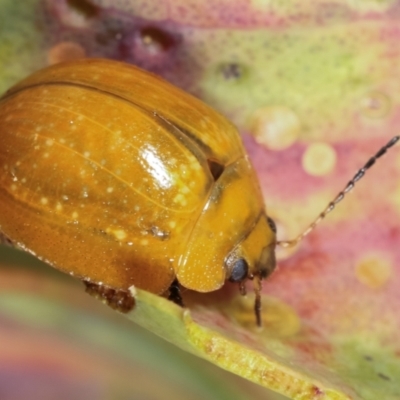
point(257, 301)
point(175, 293)
point(118, 299)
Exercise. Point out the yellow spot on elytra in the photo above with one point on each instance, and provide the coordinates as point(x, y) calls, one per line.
point(195, 166)
point(276, 127)
point(49, 142)
point(183, 168)
point(59, 207)
point(184, 190)
point(86, 154)
point(374, 272)
point(44, 201)
point(375, 105)
point(144, 242)
point(74, 215)
point(319, 159)
point(180, 199)
point(13, 187)
point(110, 190)
point(119, 234)
point(172, 224)
point(46, 155)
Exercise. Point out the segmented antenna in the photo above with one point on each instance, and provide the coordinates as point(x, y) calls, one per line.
point(360, 173)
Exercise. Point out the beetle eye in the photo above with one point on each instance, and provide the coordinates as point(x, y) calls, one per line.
point(239, 270)
point(216, 168)
point(271, 224)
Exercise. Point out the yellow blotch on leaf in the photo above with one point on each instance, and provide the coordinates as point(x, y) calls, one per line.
point(278, 318)
point(373, 272)
point(276, 127)
point(319, 159)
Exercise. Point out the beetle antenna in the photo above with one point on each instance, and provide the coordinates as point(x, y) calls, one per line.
point(359, 174)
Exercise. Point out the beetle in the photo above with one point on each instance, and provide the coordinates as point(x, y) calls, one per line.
point(113, 175)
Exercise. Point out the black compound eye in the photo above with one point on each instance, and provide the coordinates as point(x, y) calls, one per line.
point(271, 224)
point(239, 270)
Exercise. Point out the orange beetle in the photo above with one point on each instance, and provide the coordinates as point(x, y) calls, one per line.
point(113, 175)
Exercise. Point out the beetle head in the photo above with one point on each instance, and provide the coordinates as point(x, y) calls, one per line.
point(254, 256)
